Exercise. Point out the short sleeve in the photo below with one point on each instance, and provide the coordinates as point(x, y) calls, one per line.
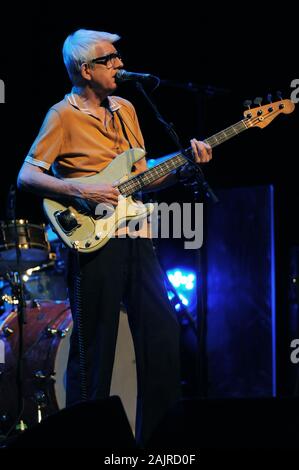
point(47, 145)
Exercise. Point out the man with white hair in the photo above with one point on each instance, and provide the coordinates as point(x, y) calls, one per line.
point(80, 136)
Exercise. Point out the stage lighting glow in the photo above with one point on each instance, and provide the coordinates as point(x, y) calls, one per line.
point(183, 299)
point(151, 162)
point(184, 283)
point(170, 295)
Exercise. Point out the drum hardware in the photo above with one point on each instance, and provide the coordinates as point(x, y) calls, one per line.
point(51, 331)
point(40, 398)
point(30, 271)
point(22, 426)
point(7, 331)
point(9, 299)
point(63, 333)
point(34, 304)
point(15, 282)
point(59, 332)
point(3, 418)
point(43, 378)
point(39, 374)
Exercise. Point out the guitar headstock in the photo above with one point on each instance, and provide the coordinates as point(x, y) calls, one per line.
point(261, 116)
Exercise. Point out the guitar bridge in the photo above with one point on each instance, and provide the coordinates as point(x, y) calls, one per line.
point(67, 221)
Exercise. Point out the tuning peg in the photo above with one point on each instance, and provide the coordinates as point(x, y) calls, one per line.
point(279, 95)
point(269, 98)
point(247, 104)
point(258, 100)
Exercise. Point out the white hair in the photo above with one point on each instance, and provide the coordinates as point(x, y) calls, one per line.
point(79, 47)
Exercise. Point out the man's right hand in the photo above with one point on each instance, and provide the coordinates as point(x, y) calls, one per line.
point(99, 193)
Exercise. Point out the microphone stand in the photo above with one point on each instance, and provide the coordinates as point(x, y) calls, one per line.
point(201, 191)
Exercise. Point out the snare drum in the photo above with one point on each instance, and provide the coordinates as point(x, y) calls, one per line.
point(32, 242)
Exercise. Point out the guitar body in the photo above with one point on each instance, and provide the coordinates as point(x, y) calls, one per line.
point(79, 227)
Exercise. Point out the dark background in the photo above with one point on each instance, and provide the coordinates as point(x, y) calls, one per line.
point(240, 60)
point(228, 55)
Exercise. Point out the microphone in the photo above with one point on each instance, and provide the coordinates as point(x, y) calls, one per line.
point(123, 76)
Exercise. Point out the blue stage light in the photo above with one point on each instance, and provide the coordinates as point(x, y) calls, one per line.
point(184, 282)
point(151, 162)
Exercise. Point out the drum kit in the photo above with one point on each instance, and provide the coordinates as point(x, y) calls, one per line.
point(47, 328)
point(41, 264)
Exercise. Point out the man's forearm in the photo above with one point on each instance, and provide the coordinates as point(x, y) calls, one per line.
point(38, 182)
point(35, 180)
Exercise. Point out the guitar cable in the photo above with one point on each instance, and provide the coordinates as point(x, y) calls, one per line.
point(80, 328)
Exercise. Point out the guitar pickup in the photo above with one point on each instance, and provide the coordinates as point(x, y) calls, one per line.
point(66, 221)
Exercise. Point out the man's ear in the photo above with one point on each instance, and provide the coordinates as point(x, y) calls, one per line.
point(85, 71)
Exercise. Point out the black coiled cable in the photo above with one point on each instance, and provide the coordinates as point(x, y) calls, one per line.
point(80, 329)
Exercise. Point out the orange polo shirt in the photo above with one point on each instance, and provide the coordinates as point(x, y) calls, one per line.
point(73, 142)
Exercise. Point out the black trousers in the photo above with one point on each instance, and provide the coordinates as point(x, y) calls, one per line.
point(127, 270)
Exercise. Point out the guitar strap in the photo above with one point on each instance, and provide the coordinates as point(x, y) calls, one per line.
point(122, 123)
point(124, 128)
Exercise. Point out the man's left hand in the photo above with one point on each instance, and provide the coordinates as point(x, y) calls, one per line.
point(202, 152)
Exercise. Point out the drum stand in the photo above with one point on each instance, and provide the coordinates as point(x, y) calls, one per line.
point(15, 280)
point(17, 298)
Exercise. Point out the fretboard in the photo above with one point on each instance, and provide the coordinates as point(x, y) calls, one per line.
point(136, 183)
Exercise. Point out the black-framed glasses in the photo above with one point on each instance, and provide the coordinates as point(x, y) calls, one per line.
point(109, 60)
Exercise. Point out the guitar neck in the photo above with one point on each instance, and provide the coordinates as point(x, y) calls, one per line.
point(136, 183)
